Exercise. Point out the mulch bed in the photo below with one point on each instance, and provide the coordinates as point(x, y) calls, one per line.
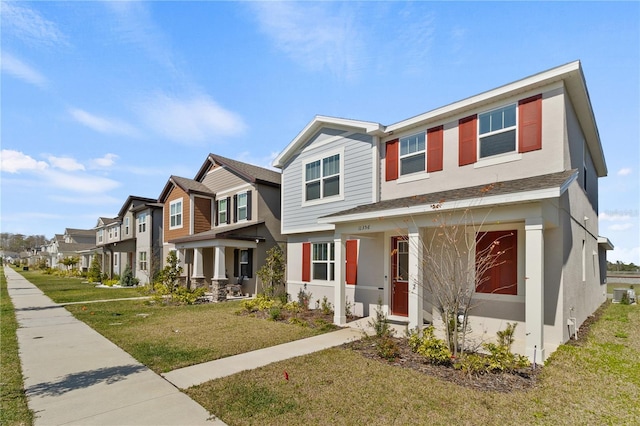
point(520, 380)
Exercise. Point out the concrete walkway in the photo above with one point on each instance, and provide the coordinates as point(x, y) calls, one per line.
point(74, 376)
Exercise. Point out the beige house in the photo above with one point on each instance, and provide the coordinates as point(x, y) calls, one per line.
point(517, 165)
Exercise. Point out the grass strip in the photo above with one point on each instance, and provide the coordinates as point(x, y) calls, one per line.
point(597, 382)
point(165, 338)
point(66, 289)
point(13, 401)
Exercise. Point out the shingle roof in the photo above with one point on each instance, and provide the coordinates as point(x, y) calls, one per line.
point(473, 192)
point(248, 171)
point(228, 232)
point(190, 185)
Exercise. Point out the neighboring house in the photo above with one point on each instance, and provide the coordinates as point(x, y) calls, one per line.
point(144, 219)
point(361, 201)
point(222, 222)
point(107, 233)
point(70, 244)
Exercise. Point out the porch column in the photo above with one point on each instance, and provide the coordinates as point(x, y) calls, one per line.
point(181, 258)
point(416, 300)
point(534, 289)
point(339, 314)
point(197, 264)
point(219, 280)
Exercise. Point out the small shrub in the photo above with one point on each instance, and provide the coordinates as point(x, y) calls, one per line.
point(274, 313)
point(380, 323)
point(298, 321)
point(109, 283)
point(625, 299)
point(387, 348)
point(326, 307)
point(304, 298)
point(127, 279)
point(435, 350)
point(348, 308)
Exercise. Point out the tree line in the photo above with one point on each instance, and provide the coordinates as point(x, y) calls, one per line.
point(21, 242)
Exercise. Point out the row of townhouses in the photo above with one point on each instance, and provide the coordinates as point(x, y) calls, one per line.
point(357, 203)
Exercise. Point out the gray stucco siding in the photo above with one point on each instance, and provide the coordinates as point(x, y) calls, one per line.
point(357, 173)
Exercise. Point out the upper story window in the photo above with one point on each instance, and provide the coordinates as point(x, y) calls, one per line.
point(115, 232)
point(323, 261)
point(222, 211)
point(142, 222)
point(497, 131)
point(110, 233)
point(241, 206)
point(175, 214)
point(126, 226)
point(322, 178)
point(100, 235)
point(412, 154)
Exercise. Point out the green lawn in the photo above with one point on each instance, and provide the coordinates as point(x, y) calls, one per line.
point(597, 383)
point(13, 402)
point(168, 337)
point(66, 290)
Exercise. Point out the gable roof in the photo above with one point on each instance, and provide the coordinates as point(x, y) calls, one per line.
point(189, 186)
point(135, 200)
point(505, 192)
point(570, 74)
point(80, 232)
point(104, 221)
point(318, 122)
point(249, 172)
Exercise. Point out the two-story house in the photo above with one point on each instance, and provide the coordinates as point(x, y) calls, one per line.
point(516, 166)
point(222, 222)
point(107, 233)
point(70, 244)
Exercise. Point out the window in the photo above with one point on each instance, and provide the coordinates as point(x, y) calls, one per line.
point(412, 154)
point(115, 232)
point(142, 260)
point(222, 211)
point(323, 261)
point(110, 233)
point(126, 226)
point(497, 130)
point(100, 235)
point(402, 262)
point(175, 214)
point(497, 262)
point(322, 178)
point(241, 206)
point(244, 263)
point(142, 222)
point(115, 260)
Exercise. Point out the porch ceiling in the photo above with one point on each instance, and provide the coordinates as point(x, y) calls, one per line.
point(519, 190)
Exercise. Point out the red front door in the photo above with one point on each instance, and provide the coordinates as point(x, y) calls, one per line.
point(400, 276)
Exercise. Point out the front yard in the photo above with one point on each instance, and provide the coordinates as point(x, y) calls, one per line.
point(594, 382)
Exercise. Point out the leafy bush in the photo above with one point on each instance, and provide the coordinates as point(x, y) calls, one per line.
point(262, 302)
point(274, 313)
point(326, 306)
point(387, 348)
point(127, 279)
point(110, 283)
point(435, 350)
point(94, 274)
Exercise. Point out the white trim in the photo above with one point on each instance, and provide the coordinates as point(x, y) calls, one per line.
point(497, 159)
point(413, 177)
point(171, 203)
point(320, 157)
point(235, 190)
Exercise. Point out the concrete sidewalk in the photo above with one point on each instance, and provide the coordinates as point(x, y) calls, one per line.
point(200, 373)
point(73, 375)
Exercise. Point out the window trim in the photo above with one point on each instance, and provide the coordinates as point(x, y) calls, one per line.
point(221, 211)
point(246, 206)
point(490, 133)
point(412, 154)
point(142, 222)
point(171, 204)
point(330, 247)
point(321, 157)
point(142, 263)
point(126, 225)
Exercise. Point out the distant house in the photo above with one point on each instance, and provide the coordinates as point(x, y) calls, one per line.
point(222, 222)
point(70, 244)
point(360, 201)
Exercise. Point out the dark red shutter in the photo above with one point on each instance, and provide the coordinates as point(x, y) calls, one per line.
point(249, 204)
point(434, 149)
point(306, 262)
point(502, 278)
point(391, 160)
point(228, 210)
point(467, 140)
point(530, 124)
point(352, 261)
point(235, 208)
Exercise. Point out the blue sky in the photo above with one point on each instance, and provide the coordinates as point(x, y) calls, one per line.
point(101, 100)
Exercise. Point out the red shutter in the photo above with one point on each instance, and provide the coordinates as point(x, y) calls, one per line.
point(502, 278)
point(434, 149)
point(352, 261)
point(391, 160)
point(467, 140)
point(530, 124)
point(306, 262)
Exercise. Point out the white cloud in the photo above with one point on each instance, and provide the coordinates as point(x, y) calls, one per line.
point(189, 120)
point(106, 161)
point(87, 200)
point(316, 35)
point(101, 124)
point(264, 162)
point(626, 171)
point(79, 182)
point(28, 25)
point(15, 161)
point(615, 216)
point(65, 163)
point(623, 254)
point(15, 67)
point(620, 227)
